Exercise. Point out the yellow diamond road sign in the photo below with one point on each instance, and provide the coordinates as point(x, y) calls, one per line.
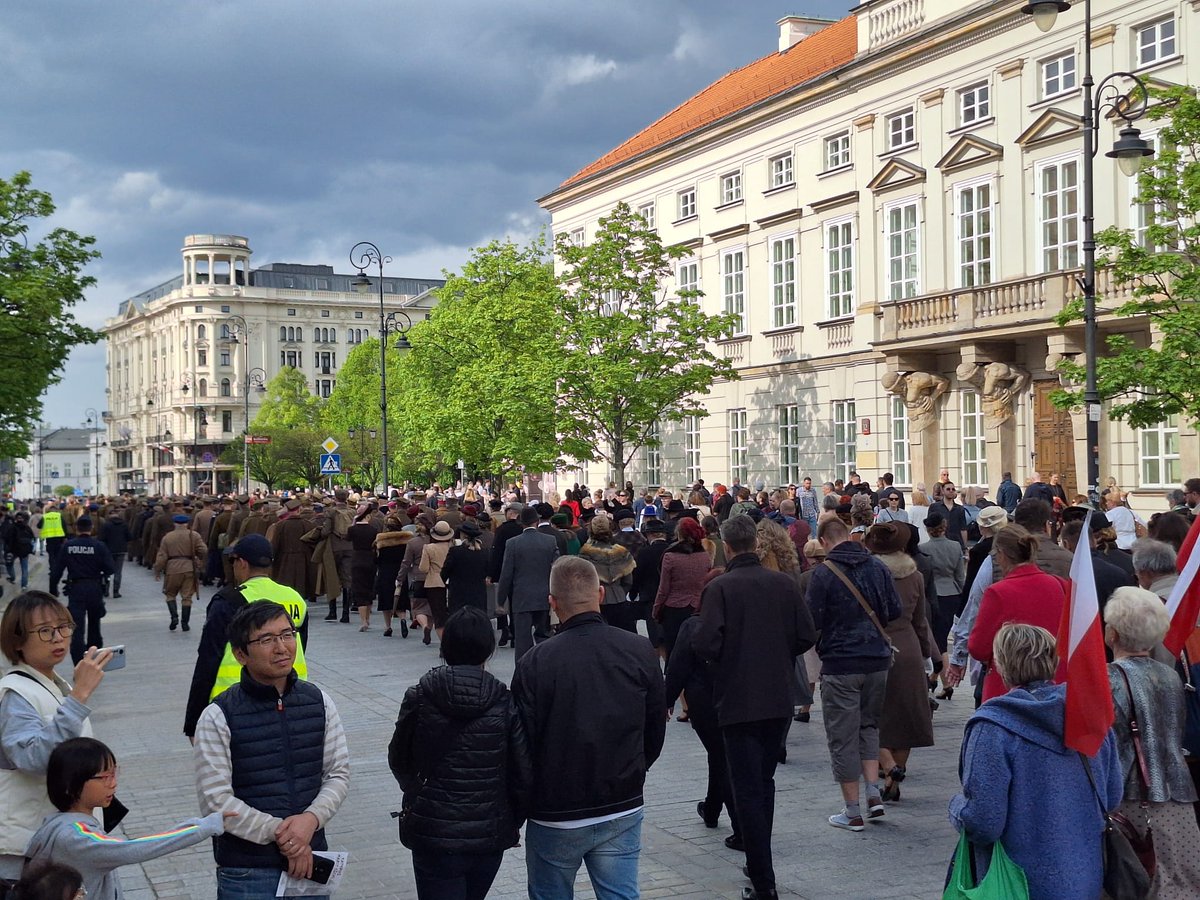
point(330, 445)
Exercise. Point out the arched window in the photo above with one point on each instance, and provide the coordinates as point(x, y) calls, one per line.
point(201, 333)
point(282, 333)
point(300, 335)
point(333, 335)
point(225, 391)
point(224, 332)
point(203, 389)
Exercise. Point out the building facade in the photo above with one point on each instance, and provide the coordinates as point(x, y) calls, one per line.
point(71, 457)
point(891, 204)
point(187, 358)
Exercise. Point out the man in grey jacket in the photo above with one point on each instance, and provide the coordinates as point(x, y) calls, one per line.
point(524, 586)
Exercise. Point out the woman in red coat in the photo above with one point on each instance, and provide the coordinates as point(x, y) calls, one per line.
point(1025, 595)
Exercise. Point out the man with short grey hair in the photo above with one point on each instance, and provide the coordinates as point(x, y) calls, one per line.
point(524, 584)
point(591, 745)
point(1154, 566)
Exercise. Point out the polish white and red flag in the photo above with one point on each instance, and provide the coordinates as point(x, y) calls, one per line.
point(1184, 603)
point(1089, 712)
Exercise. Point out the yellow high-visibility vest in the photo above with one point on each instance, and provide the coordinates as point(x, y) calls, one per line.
point(262, 588)
point(52, 525)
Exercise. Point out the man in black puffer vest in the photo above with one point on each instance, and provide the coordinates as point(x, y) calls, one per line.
point(271, 749)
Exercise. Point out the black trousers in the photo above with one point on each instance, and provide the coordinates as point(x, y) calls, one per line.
point(752, 752)
point(455, 876)
point(719, 793)
point(621, 615)
point(529, 628)
point(86, 605)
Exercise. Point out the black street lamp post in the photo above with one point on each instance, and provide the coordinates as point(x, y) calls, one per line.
point(93, 420)
point(1130, 151)
point(255, 378)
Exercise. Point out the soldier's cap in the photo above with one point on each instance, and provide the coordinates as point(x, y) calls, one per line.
point(242, 498)
point(293, 504)
point(253, 548)
point(181, 519)
point(83, 523)
point(258, 504)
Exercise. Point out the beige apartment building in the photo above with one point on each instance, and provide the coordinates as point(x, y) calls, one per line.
point(187, 358)
point(892, 205)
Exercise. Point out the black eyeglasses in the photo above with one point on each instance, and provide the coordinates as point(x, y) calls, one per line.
point(266, 640)
point(47, 632)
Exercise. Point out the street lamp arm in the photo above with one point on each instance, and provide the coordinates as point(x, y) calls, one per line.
point(1129, 105)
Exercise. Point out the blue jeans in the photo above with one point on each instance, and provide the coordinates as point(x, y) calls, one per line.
point(247, 884)
point(610, 851)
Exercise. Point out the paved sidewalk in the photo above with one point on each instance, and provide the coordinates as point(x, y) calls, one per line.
point(139, 712)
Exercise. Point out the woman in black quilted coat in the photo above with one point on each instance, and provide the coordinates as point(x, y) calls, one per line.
point(462, 760)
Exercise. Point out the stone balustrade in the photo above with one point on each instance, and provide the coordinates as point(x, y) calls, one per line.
point(891, 20)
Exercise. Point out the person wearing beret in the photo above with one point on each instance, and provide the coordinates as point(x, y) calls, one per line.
point(181, 554)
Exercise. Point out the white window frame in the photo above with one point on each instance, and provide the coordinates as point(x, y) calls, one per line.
point(841, 302)
point(739, 442)
point(975, 104)
point(1162, 46)
point(901, 448)
point(1064, 260)
point(838, 150)
point(969, 236)
point(906, 134)
point(653, 457)
point(781, 170)
point(845, 439)
point(974, 440)
point(687, 276)
point(731, 187)
point(576, 237)
point(1170, 469)
point(733, 286)
point(903, 282)
point(789, 443)
point(685, 204)
point(782, 257)
point(646, 211)
point(1061, 75)
point(691, 449)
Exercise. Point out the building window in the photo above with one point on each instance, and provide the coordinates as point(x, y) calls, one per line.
point(901, 233)
point(902, 129)
point(66, 470)
point(322, 284)
point(783, 282)
point(87, 470)
point(687, 278)
point(839, 267)
point(789, 444)
point(201, 333)
point(731, 187)
point(324, 314)
point(291, 312)
point(733, 279)
point(837, 150)
point(202, 391)
point(1058, 196)
point(226, 421)
point(1160, 454)
point(291, 358)
point(845, 439)
point(646, 211)
point(324, 387)
point(225, 358)
point(738, 443)
point(224, 309)
point(225, 333)
point(974, 104)
point(685, 204)
point(1058, 75)
point(974, 205)
point(974, 443)
point(653, 457)
point(1154, 42)
point(202, 357)
point(283, 333)
point(576, 237)
point(333, 335)
point(198, 309)
point(901, 459)
point(782, 171)
point(358, 314)
point(691, 450)
point(226, 388)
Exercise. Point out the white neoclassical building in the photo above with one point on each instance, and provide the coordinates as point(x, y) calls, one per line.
point(891, 203)
point(186, 358)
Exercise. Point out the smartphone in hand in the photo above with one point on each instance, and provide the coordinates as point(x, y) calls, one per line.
point(321, 870)
point(118, 657)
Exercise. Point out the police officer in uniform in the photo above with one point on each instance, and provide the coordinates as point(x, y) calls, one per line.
point(52, 530)
point(88, 564)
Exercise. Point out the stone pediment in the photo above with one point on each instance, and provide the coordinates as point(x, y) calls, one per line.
point(1052, 125)
point(969, 150)
point(896, 173)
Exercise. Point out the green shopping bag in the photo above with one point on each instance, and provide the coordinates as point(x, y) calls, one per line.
point(1004, 880)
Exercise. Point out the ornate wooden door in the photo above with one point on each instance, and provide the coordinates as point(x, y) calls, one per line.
point(1053, 438)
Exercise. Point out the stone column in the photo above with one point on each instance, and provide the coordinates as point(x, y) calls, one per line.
point(920, 392)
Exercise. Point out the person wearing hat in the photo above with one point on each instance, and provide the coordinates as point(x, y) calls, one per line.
point(87, 565)
point(158, 525)
point(465, 569)
point(362, 565)
point(523, 589)
point(292, 558)
point(614, 565)
point(334, 526)
point(433, 559)
point(907, 720)
point(180, 556)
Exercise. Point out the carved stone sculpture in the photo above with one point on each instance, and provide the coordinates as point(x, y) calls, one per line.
point(998, 385)
point(920, 392)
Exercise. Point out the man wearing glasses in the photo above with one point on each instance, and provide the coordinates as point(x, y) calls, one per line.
point(271, 749)
point(956, 515)
point(1191, 494)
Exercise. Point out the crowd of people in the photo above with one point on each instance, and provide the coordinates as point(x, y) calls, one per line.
point(727, 608)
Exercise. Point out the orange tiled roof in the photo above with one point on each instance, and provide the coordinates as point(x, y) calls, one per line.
point(818, 53)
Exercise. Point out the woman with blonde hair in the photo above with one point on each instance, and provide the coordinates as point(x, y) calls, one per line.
point(918, 509)
point(776, 550)
point(1159, 792)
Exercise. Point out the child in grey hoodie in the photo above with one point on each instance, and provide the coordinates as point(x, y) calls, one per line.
point(81, 777)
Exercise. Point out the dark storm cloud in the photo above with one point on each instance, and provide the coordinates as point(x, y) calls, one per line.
point(426, 127)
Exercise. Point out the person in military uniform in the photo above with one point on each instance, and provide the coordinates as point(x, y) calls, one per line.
point(180, 556)
point(216, 668)
point(233, 531)
point(216, 531)
point(87, 564)
point(334, 524)
point(157, 526)
point(293, 558)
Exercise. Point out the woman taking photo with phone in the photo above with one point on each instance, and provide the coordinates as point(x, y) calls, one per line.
point(38, 711)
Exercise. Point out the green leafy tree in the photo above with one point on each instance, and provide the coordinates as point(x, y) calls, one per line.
point(39, 285)
point(478, 383)
point(1147, 384)
point(354, 404)
point(635, 355)
point(288, 403)
point(64, 490)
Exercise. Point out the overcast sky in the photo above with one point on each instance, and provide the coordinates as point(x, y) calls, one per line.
point(428, 128)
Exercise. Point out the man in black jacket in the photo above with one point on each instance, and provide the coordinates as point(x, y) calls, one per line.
point(753, 625)
point(509, 528)
point(591, 745)
point(116, 539)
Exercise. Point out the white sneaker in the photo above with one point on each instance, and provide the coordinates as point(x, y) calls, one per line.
point(849, 823)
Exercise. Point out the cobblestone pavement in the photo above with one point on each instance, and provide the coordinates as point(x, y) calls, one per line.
point(139, 712)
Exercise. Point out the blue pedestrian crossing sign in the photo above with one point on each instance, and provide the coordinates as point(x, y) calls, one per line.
point(331, 464)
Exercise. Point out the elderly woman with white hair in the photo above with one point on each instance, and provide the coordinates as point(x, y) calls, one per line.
point(1158, 787)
